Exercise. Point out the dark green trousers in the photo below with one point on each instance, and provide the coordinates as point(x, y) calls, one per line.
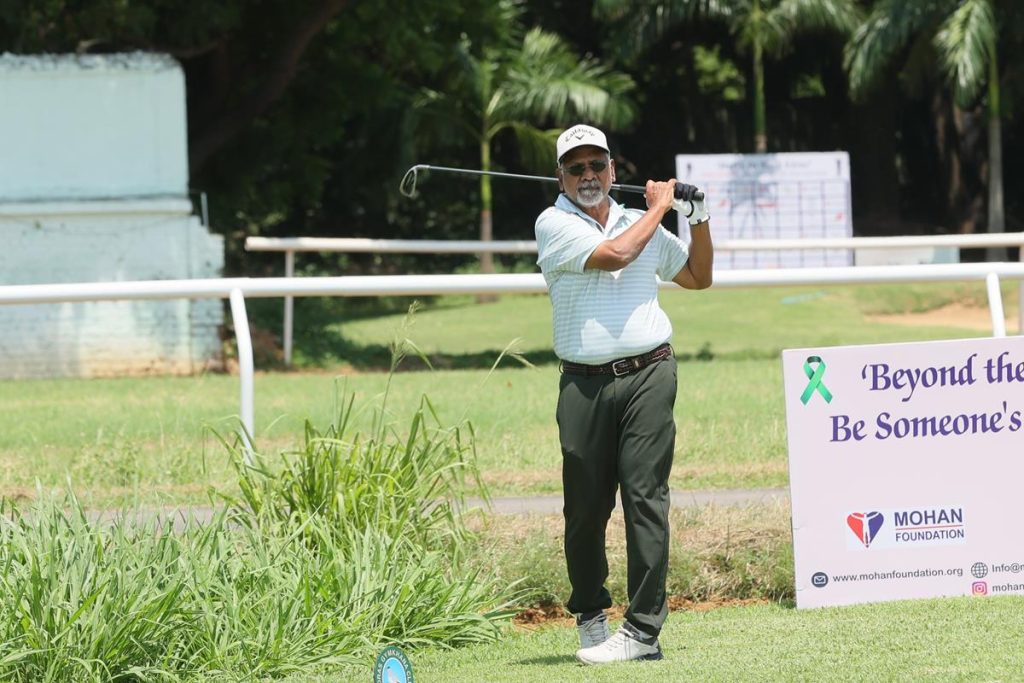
point(618, 432)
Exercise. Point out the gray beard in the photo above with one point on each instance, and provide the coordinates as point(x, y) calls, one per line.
point(589, 197)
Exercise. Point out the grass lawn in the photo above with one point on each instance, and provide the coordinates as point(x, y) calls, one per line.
point(146, 436)
point(728, 323)
point(145, 439)
point(959, 639)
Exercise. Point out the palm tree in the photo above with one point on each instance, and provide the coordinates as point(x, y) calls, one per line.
point(761, 27)
point(964, 33)
point(517, 83)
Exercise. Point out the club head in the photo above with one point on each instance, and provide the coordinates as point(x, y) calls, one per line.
point(408, 185)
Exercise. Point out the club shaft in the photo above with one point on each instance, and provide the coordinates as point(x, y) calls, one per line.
point(638, 189)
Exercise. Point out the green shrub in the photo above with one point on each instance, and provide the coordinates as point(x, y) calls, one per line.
point(346, 545)
point(716, 554)
point(81, 601)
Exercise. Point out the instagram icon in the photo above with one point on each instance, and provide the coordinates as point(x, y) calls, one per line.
point(979, 588)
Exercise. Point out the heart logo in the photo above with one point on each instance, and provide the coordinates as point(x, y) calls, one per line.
point(865, 525)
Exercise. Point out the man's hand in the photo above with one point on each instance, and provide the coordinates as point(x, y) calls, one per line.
point(695, 210)
point(660, 195)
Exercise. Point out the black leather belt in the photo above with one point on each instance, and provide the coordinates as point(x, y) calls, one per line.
point(620, 367)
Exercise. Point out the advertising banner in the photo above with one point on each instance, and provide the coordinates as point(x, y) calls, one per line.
point(775, 196)
point(905, 469)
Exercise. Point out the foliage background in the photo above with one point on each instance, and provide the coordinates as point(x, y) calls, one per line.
point(304, 114)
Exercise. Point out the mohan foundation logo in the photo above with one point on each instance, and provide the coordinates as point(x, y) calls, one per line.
point(865, 525)
point(906, 528)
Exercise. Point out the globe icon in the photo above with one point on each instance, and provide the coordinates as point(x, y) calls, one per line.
point(979, 570)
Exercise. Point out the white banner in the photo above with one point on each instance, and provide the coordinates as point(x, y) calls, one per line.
point(775, 196)
point(905, 469)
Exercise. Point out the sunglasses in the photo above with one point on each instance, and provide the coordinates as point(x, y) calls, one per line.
point(577, 169)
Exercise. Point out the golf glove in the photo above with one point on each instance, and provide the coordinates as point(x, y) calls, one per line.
point(695, 210)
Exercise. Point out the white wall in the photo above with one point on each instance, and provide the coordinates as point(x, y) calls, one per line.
point(94, 188)
point(102, 242)
point(92, 126)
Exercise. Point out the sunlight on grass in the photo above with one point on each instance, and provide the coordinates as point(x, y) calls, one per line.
point(959, 639)
point(146, 439)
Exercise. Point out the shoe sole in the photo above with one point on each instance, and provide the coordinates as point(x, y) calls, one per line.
point(653, 657)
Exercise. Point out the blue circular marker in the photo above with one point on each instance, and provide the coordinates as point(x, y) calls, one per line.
point(392, 667)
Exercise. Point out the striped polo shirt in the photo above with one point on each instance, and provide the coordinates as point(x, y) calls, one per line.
point(599, 315)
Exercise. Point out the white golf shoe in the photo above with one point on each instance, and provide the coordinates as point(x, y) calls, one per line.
point(620, 647)
point(593, 631)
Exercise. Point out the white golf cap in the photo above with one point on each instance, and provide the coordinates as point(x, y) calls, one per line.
point(578, 136)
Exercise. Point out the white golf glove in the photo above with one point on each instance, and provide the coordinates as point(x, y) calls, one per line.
point(694, 210)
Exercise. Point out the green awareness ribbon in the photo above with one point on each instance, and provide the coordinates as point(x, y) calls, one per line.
point(815, 383)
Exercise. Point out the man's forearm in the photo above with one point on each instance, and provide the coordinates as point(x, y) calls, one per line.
point(633, 240)
point(617, 253)
point(702, 253)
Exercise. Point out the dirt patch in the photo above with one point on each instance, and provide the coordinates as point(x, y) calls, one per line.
point(555, 615)
point(951, 315)
point(683, 605)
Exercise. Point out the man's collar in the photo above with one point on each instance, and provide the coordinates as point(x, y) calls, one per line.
point(615, 210)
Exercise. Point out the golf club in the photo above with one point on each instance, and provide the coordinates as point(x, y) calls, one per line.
point(408, 185)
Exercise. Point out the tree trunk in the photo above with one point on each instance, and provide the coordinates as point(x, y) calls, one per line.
point(280, 73)
point(996, 216)
point(760, 127)
point(873, 128)
point(486, 226)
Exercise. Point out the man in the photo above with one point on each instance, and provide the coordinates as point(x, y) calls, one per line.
point(618, 383)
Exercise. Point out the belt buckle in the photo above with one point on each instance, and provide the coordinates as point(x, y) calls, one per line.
point(627, 365)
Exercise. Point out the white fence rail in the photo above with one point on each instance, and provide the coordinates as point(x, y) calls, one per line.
point(365, 245)
point(237, 289)
point(353, 245)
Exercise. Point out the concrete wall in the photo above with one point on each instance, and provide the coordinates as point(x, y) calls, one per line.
point(94, 188)
point(92, 126)
point(103, 242)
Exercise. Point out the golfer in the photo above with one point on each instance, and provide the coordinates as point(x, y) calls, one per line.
point(618, 385)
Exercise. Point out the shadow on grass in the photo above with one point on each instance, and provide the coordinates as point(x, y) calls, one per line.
point(548, 660)
point(329, 348)
point(319, 343)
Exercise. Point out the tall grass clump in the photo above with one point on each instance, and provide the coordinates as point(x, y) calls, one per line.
point(375, 527)
point(350, 542)
point(82, 602)
point(381, 515)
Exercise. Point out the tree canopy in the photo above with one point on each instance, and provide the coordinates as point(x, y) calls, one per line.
point(303, 114)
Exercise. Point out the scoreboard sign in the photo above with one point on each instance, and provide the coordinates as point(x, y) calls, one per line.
point(905, 463)
point(775, 196)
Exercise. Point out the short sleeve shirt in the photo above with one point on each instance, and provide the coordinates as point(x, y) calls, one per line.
point(599, 316)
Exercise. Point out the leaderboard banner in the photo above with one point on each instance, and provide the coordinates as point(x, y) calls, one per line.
point(788, 195)
point(905, 468)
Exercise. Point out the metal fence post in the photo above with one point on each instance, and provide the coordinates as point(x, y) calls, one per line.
point(995, 305)
point(245, 369)
point(1020, 296)
point(289, 308)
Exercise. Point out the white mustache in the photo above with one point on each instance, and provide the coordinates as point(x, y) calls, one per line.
point(590, 193)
